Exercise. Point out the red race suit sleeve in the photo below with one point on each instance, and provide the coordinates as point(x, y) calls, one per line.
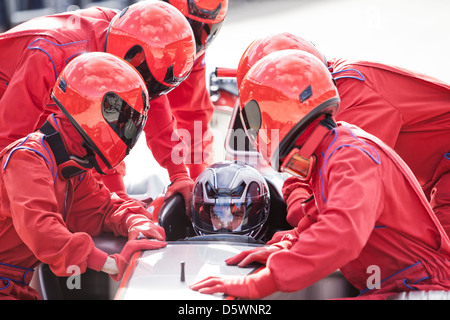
point(23, 104)
point(342, 228)
point(56, 218)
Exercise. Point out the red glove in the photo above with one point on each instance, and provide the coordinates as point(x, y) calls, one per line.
point(182, 184)
point(140, 226)
point(123, 258)
point(254, 286)
point(259, 254)
point(278, 236)
point(290, 237)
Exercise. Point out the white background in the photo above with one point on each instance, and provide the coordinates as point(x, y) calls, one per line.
point(410, 33)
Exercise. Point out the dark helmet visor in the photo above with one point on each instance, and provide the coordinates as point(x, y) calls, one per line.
point(136, 57)
point(227, 211)
point(251, 119)
point(123, 119)
point(204, 33)
point(203, 13)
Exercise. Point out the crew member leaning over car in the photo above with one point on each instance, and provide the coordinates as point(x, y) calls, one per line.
point(370, 213)
point(50, 202)
point(408, 111)
point(151, 35)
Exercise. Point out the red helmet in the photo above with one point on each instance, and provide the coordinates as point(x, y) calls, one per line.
point(157, 40)
point(275, 42)
point(280, 96)
point(106, 100)
point(206, 18)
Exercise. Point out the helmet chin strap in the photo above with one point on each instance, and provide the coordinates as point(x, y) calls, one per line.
point(92, 159)
point(316, 137)
point(301, 162)
point(68, 166)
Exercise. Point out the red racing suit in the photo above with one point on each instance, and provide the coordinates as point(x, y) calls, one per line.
point(407, 111)
point(410, 113)
point(371, 215)
point(45, 218)
point(31, 57)
point(192, 108)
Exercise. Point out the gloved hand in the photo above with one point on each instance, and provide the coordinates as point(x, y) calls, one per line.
point(254, 286)
point(278, 236)
point(258, 254)
point(123, 258)
point(182, 184)
point(139, 225)
point(291, 235)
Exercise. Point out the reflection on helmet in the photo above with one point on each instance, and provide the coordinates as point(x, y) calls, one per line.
point(230, 197)
point(106, 100)
point(156, 39)
point(261, 47)
point(125, 120)
point(206, 18)
point(280, 96)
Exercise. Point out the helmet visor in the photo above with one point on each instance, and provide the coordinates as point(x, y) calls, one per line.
point(136, 57)
point(203, 13)
point(251, 119)
point(204, 34)
point(126, 122)
point(229, 215)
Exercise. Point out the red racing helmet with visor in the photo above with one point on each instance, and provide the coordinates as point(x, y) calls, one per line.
point(106, 100)
point(206, 18)
point(287, 103)
point(156, 39)
point(263, 46)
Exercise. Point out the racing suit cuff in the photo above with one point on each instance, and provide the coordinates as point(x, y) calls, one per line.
point(176, 171)
point(264, 283)
point(96, 259)
point(286, 242)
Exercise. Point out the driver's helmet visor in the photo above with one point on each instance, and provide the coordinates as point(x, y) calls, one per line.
point(228, 215)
